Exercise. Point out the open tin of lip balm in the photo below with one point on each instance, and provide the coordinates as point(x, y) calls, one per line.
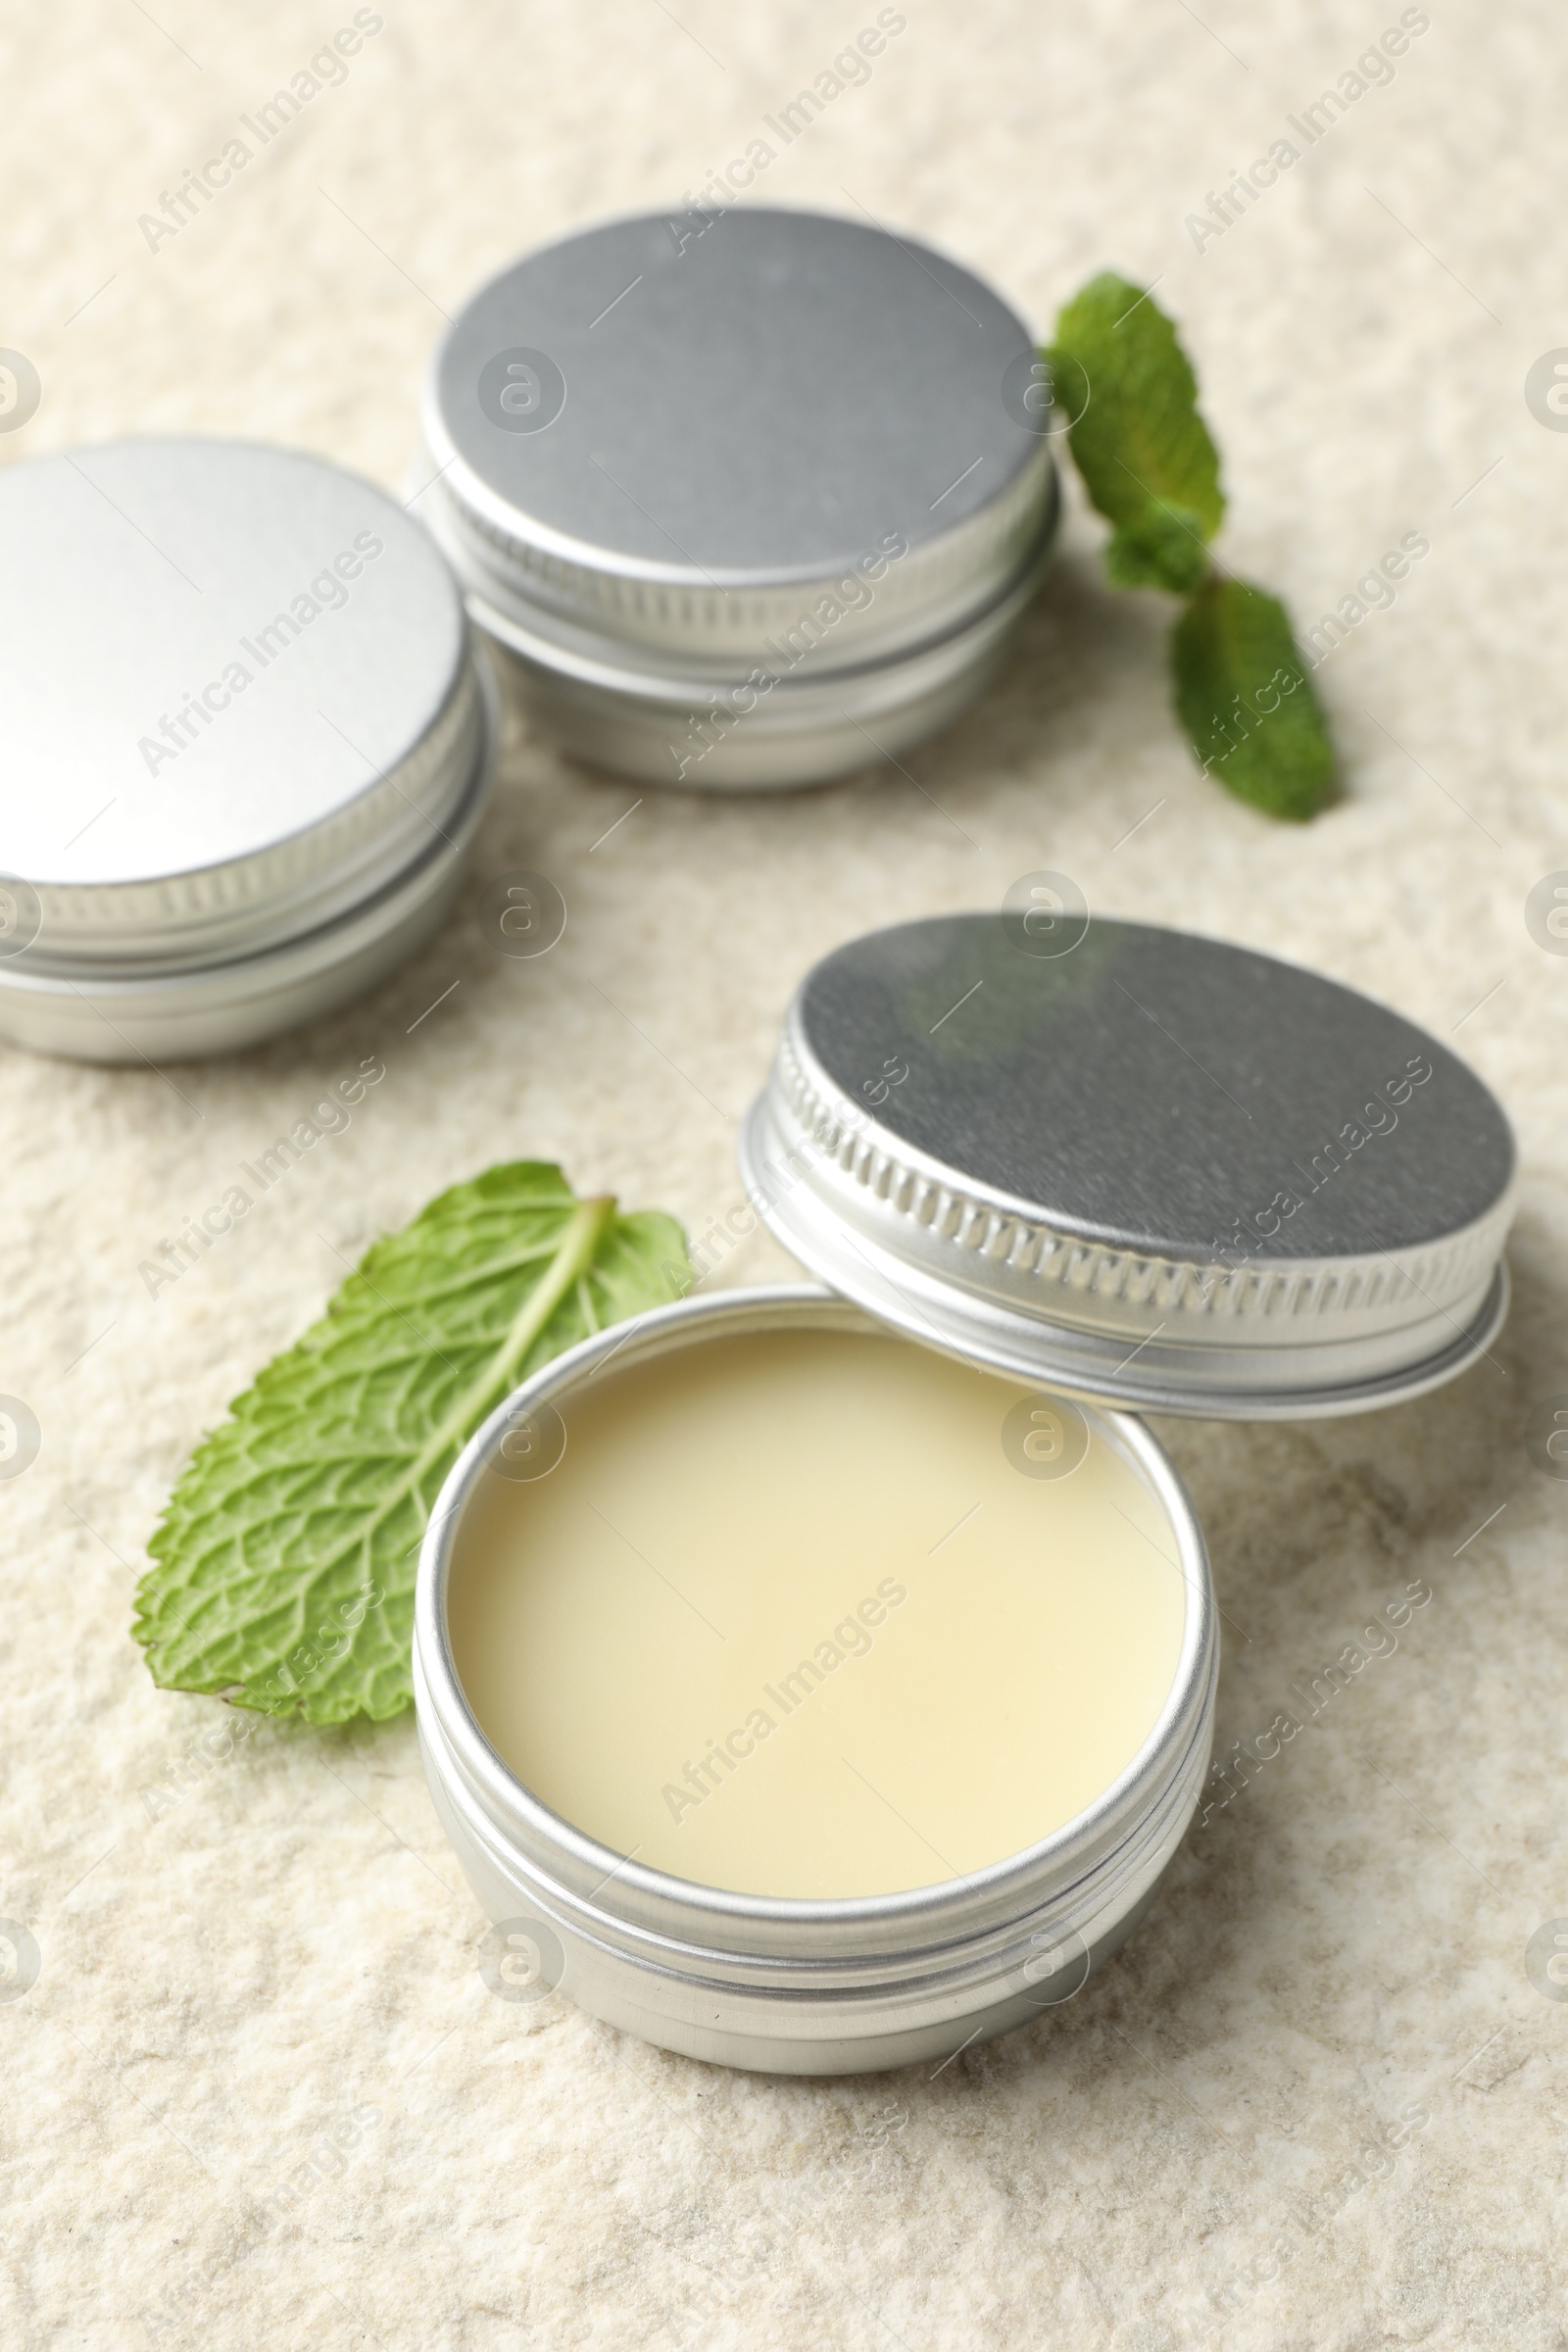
point(819, 1680)
point(248, 745)
point(750, 500)
point(802, 1737)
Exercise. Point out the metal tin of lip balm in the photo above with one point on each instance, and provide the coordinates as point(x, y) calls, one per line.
point(1135, 1164)
point(248, 745)
point(752, 500)
point(791, 1985)
point(1118, 1163)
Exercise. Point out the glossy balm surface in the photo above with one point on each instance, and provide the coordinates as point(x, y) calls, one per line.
point(814, 1614)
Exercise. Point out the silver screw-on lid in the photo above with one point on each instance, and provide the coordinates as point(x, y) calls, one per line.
point(1150, 1167)
point(676, 435)
point(239, 701)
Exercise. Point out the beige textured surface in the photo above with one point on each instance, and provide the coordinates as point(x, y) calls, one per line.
point(227, 1978)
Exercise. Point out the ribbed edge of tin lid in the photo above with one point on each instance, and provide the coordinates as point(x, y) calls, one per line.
point(248, 905)
point(799, 690)
point(629, 607)
point(994, 1244)
point(716, 639)
point(191, 1012)
point(983, 1274)
point(151, 1013)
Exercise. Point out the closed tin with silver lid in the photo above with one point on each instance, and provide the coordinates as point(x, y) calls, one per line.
point(1137, 1164)
point(752, 497)
point(248, 745)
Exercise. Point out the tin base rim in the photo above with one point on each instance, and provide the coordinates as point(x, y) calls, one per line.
point(810, 729)
point(622, 735)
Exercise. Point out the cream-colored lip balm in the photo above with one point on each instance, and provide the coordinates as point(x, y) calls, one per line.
point(813, 1613)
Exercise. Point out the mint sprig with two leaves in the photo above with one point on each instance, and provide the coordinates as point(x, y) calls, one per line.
point(1148, 463)
point(283, 1566)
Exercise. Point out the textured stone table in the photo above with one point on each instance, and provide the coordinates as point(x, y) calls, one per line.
point(1318, 2102)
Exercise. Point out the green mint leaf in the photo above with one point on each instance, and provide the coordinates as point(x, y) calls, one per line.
point(1249, 709)
point(1138, 440)
point(285, 1559)
point(1129, 399)
point(1164, 548)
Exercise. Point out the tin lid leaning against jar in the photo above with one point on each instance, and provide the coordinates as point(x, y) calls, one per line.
point(753, 498)
point(1135, 1164)
point(248, 745)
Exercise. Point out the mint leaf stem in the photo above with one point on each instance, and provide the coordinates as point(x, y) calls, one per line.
point(573, 1252)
